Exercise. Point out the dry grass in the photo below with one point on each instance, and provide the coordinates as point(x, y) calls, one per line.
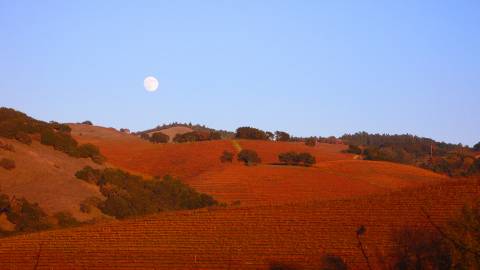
point(46, 176)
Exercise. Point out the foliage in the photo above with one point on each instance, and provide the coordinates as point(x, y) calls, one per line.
point(294, 158)
point(249, 157)
point(195, 136)
point(88, 122)
point(450, 159)
point(354, 149)
point(66, 220)
point(17, 125)
point(159, 137)
point(476, 147)
point(250, 133)
point(217, 134)
point(226, 157)
point(282, 136)
point(333, 262)
point(130, 195)
point(310, 142)
point(7, 164)
point(26, 216)
point(7, 147)
point(270, 135)
point(420, 248)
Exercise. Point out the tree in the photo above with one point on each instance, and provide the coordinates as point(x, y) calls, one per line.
point(294, 158)
point(250, 133)
point(159, 137)
point(270, 135)
point(249, 157)
point(226, 157)
point(88, 122)
point(476, 147)
point(282, 136)
point(311, 141)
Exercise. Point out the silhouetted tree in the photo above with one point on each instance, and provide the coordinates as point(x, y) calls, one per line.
point(250, 133)
point(226, 157)
point(87, 123)
point(249, 157)
point(282, 136)
point(159, 137)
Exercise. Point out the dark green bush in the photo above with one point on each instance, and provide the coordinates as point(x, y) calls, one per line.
point(250, 133)
point(89, 174)
point(226, 157)
point(159, 137)
point(311, 142)
point(130, 195)
point(354, 149)
point(66, 220)
point(249, 157)
point(23, 138)
point(294, 158)
point(282, 136)
point(7, 164)
point(29, 217)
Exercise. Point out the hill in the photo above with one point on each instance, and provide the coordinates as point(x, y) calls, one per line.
point(241, 238)
point(336, 174)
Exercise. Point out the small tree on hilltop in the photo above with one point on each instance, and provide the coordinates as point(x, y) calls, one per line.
point(250, 133)
point(249, 157)
point(311, 141)
point(476, 147)
point(282, 136)
point(159, 137)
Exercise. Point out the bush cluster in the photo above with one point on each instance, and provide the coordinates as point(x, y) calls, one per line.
point(248, 157)
point(250, 133)
point(159, 137)
point(294, 158)
point(7, 164)
point(354, 149)
point(130, 195)
point(312, 141)
point(282, 136)
point(196, 136)
point(19, 126)
point(226, 157)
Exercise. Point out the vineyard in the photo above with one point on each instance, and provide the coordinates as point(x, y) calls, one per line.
point(245, 237)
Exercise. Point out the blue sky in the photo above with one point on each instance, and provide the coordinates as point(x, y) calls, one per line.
point(306, 67)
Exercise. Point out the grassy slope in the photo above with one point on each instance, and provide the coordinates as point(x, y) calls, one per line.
point(46, 176)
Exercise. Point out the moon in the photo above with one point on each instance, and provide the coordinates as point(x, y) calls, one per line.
point(150, 83)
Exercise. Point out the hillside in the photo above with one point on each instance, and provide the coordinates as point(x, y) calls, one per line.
point(336, 174)
point(240, 238)
point(47, 177)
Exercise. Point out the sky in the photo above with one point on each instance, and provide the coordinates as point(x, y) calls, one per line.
point(306, 67)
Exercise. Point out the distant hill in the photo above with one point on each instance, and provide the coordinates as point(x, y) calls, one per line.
point(175, 128)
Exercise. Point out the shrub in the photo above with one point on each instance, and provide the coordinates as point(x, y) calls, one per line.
point(249, 157)
point(89, 174)
point(7, 164)
point(129, 195)
point(282, 136)
point(416, 248)
point(7, 147)
point(192, 136)
point(159, 137)
point(226, 157)
point(332, 262)
point(476, 147)
point(294, 158)
point(87, 123)
point(29, 217)
point(354, 149)
point(250, 133)
point(66, 220)
point(311, 142)
point(23, 138)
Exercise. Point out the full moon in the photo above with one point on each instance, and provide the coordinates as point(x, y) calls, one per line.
point(150, 83)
